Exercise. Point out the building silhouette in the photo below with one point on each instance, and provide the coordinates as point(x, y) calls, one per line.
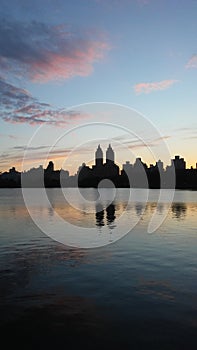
point(137, 175)
point(109, 155)
point(99, 157)
point(100, 170)
point(179, 163)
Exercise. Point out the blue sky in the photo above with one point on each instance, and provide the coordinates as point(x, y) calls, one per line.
point(55, 55)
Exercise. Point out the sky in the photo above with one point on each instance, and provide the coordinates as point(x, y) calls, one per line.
point(77, 73)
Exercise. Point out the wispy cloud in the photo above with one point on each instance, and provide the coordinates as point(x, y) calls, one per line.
point(19, 107)
point(129, 142)
point(42, 154)
point(147, 88)
point(42, 52)
point(112, 3)
point(10, 136)
point(187, 133)
point(151, 142)
point(32, 148)
point(192, 63)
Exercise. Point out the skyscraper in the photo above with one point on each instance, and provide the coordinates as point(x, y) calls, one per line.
point(99, 156)
point(109, 155)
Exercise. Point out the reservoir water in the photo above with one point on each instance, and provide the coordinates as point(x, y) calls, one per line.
point(139, 291)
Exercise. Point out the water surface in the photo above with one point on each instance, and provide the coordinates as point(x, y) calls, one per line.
point(139, 291)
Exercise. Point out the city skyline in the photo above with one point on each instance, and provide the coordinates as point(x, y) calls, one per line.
point(106, 173)
point(56, 57)
point(110, 156)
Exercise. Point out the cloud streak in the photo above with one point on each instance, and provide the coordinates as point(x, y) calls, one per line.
point(149, 87)
point(121, 3)
point(139, 143)
point(10, 136)
point(41, 153)
point(192, 63)
point(19, 107)
point(42, 52)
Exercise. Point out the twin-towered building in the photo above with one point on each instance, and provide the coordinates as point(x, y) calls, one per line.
point(99, 156)
point(100, 169)
point(108, 169)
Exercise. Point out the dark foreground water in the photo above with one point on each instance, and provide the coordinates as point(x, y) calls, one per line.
point(137, 293)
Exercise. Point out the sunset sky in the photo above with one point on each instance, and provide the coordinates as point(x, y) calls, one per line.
point(57, 58)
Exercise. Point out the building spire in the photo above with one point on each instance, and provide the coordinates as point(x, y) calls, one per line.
point(109, 155)
point(99, 156)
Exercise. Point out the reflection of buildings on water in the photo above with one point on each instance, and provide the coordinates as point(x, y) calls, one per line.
point(100, 214)
point(160, 208)
point(154, 207)
point(149, 208)
point(110, 210)
point(178, 210)
point(139, 208)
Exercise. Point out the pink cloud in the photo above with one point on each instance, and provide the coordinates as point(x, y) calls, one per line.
point(153, 86)
point(192, 63)
point(61, 66)
point(47, 52)
point(19, 107)
point(55, 118)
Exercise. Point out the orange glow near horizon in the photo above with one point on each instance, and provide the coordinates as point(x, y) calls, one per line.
point(72, 168)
